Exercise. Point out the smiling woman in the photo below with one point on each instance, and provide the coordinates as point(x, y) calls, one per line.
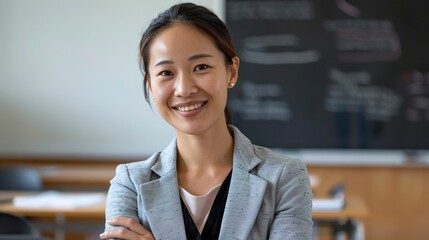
point(189, 73)
point(196, 188)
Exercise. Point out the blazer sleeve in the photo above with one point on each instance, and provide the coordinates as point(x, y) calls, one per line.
point(122, 196)
point(293, 219)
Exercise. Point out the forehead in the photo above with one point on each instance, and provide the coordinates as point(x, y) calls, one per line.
point(181, 40)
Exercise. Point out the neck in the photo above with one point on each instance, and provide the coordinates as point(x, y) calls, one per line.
point(209, 151)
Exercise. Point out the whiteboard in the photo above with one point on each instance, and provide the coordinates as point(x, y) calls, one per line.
point(70, 82)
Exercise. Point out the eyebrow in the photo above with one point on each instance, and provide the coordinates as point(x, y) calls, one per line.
point(164, 62)
point(191, 58)
point(198, 56)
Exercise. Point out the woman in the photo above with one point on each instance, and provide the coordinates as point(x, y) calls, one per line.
point(210, 182)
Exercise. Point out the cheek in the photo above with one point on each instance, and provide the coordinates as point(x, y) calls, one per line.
point(221, 85)
point(160, 93)
point(220, 91)
point(217, 82)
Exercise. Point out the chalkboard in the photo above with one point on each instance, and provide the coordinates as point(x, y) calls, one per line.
point(332, 74)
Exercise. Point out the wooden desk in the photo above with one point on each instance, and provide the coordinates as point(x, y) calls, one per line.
point(91, 212)
point(60, 221)
point(348, 220)
point(355, 210)
point(86, 176)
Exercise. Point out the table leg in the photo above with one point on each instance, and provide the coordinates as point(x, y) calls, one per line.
point(60, 222)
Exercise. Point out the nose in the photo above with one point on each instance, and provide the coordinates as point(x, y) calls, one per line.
point(185, 85)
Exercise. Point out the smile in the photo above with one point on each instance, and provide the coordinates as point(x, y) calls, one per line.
point(190, 108)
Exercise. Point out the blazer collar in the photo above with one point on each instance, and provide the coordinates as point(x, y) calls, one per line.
point(166, 160)
point(244, 156)
point(162, 199)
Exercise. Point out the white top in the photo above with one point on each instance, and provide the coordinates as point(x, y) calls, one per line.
point(199, 206)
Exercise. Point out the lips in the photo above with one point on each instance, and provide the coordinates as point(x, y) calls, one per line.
point(190, 107)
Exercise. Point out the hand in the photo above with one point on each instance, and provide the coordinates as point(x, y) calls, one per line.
point(132, 230)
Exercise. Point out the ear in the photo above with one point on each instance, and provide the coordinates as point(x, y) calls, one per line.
point(149, 85)
point(233, 71)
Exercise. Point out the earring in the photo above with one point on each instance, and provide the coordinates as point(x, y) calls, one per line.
point(231, 84)
point(153, 98)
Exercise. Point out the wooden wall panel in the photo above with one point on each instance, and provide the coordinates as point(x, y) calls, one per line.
point(397, 197)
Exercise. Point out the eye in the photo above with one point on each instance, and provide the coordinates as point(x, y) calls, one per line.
point(165, 73)
point(201, 67)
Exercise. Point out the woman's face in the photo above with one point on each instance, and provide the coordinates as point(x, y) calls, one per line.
point(189, 79)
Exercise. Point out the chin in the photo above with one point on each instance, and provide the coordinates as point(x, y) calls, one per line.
point(191, 129)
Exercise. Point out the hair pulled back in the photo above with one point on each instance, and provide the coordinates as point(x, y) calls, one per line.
point(192, 14)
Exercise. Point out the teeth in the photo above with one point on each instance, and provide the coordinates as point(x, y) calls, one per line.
point(189, 108)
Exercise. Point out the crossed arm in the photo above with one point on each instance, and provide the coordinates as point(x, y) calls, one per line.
point(129, 229)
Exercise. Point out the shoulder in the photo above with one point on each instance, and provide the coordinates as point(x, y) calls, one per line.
point(139, 165)
point(136, 172)
point(277, 162)
point(249, 156)
point(152, 168)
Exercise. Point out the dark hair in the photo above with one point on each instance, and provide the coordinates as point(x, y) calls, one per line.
point(197, 16)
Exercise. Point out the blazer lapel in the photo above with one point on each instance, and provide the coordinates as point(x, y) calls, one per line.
point(161, 199)
point(246, 191)
point(244, 201)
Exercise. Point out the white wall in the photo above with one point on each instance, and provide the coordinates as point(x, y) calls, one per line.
point(70, 81)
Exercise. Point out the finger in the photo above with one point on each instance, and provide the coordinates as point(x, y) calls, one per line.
point(120, 233)
point(124, 234)
point(129, 223)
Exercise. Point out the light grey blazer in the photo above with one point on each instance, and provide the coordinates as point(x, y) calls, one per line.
point(269, 195)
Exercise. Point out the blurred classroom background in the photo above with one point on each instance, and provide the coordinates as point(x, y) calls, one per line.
point(342, 85)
